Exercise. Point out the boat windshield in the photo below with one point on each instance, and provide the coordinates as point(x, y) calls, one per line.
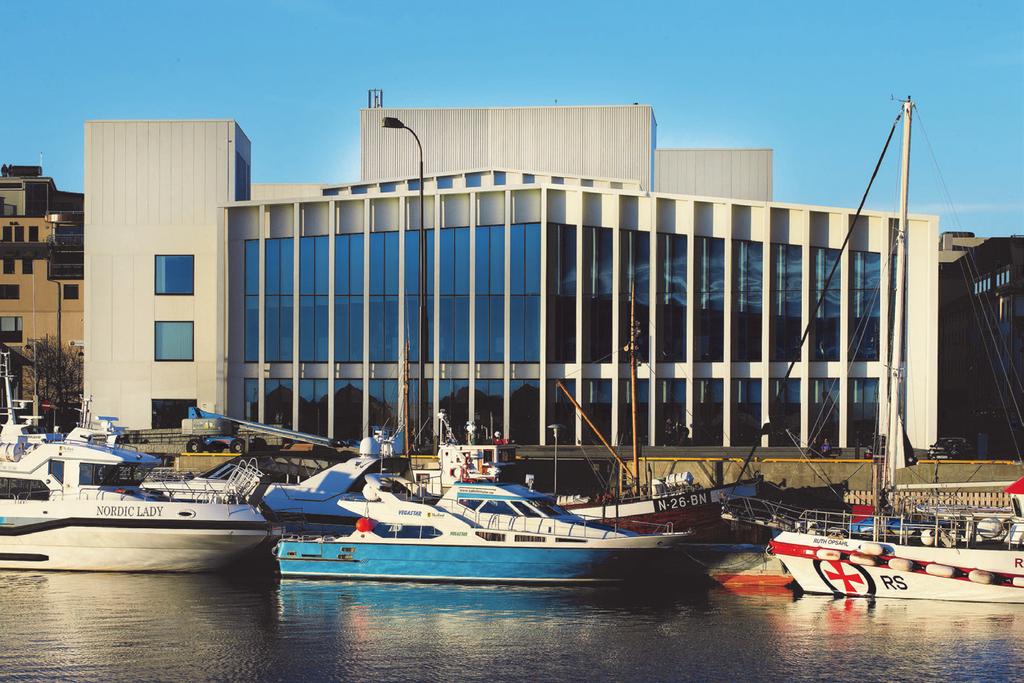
point(125, 474)
point(549, 509)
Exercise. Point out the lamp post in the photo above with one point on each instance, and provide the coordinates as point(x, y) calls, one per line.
point(555, 428)
point(421, 328)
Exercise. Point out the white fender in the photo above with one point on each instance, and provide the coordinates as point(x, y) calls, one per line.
point(860, 558)
point(872, 549)
point(1018, 581)
point(981, 576)
point(941, 570)
point(828, 554)
point(901, 564)
point(927, 538)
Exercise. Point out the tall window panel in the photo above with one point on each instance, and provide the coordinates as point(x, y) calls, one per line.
point(412, 288)
point(524, 411)
point(597, 314)
point(862, 411)
point(278, 396)
point(278, 303)
point(453, 397)
point(707, 412)
point(524, 299)
point(348, 409)
point(670, 413)
point(672, 298)
point(490, 408)
point(560, 411)
point(785, 325)
point(784, 412)
point(635, 275)
point(561, 273)
point(313, 406)
point(825, 340)
point(824, 413)
point(348, 299)
point(314, 273)
point(251, 399)
point(745, 429)
point(490, 294)
point(453, 279)
point(747, 259)
point(383, 297)
point(709, 299)
point(597, 402)
point(252, 301)
point(383, 403)
point(643, 402)
point(865, 309)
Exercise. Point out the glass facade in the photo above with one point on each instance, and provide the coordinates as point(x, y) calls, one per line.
point(784, 407)
point(348, 299)
point(174, 274)
point(412, 288)
point(746, 419)
point(313, 297)
point(560, 411)
point(453, 396)
point(383, 299)
point(865, 308)
point(862, 411)
point(824, 413)
point(383, 403)
point(643, 402)
point(597, 307)
point(707, 412)
point(747, 259)
point(561, 293)
point(251, 399)
point(635, 274)
point(490, 294)
point(278, 305)
point(825, 331)
point(670, 413)
point(709, 299)
point(453, 286)
point(597, 402)
point(524, 293)
point(490, 407)
point(278, 402)
point(348, 409)
point(313, 406)
point(252, 301)
point(672, 298)
point(785, 325)
point(524, 411)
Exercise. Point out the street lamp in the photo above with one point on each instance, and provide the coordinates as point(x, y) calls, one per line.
point(394, 123)
point(555, 428)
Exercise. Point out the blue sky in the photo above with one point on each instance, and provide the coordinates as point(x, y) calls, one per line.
point(812, 80)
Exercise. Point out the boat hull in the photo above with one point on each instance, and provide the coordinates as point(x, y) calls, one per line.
point(345, 559)
point(803, 557)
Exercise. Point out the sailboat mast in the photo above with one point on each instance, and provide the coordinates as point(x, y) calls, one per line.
point(894, 455)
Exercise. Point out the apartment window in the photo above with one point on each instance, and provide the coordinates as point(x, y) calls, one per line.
point(348, 300)
point(33, 233)
point(175, 274)
point(19, 233)
point(26, 266)
point(70, 292)
point(10, 329)
point(499, 177)
point(169, 412)
point(173, 340)
point(278, 300)
point(708, 320)
point(490, 294)
point(524, 297)
point(444, 182)
point(672, 299)
point(473, 179)
point(8, 266)
point(746, 310)
point(561, 271)
point(10, 292)
point(313, 291)
point(7, 233)
point(252, 300)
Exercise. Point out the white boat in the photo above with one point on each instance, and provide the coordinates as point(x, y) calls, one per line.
point(74, 502)
point(476, 532)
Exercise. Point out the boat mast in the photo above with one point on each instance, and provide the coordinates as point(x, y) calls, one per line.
point(894, 445)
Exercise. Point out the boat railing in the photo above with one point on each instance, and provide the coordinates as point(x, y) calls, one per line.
point(585, 528)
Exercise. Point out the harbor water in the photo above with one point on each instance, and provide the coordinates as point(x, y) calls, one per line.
point(106, 627)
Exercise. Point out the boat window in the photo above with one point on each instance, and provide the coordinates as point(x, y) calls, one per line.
point(491, 536)
point(525, 538)
point(406, 531)
point(57, 470)
point(470, 503)
point(22, 489)
point(549, 509)
point(111, 475)
point(524, 509)
point(1016, 507)
point(497, 507)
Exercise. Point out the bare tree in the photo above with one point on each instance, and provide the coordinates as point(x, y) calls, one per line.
point(56, 377)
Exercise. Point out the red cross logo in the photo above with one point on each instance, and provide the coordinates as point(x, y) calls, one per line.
point(849, 580)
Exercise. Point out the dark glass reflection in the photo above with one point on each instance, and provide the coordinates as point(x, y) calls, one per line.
point(383, 299)
point(524, 294)
point(709, 299)
point(635, 272)
point(670, 413)
point(490, 294)
point(786, 325)
point(746, 420)
point(174, 274)
point(862, 420)
point(251, 399)
point(597, 313)
point(825, 331)
point(453, 396)
point(313, 406)
point(707, 412)
point(412, 288)
point(597, 402)
point(453, 281)
point(278, 409)
point(278, 303)
point(252, 301)
point(348, 409)
point(313, 295)
point(561, 271)
point(784, 407)
point(524, 411)
point(824, 413)
point(672, 298)
point(383, 403)
point(348, 299)
point(747, 258)
point(626, 412)
point(490, 408)
point(865, 309)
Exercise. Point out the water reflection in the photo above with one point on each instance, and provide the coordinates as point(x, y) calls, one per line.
point(135, 627)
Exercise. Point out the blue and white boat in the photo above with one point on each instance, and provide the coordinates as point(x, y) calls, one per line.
point(476, 532)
